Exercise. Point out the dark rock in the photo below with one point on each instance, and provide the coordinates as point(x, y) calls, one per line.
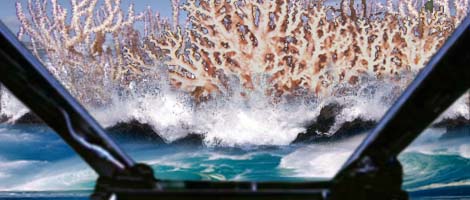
point(348, 129)
point(3, 119)
point(307, 137)
point(29, 118)
point(137, 131)
point(134, 130)
point(452, 122)
point(190, 140)
point(326, 119)
point(316, 132)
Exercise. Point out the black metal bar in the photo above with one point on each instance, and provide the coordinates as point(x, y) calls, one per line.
point(228, 190)
point(445, 78)
point(231, 194)
point(29, 81)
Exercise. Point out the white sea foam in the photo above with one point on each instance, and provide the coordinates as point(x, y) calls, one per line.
point(172, 160)
point(460, 108)
point(45, 176)
point(442, 185)
point(430, 142)
point(6, 165)
point(15, 136)
point(464, 150)
point(70, 180)
point(220, 156)
point(168, 115)
point(370, 102)
point(320, 160)
point(242, 121)
point(10, 171)
point(222, 122)
point(10, 106)
point(253, 123)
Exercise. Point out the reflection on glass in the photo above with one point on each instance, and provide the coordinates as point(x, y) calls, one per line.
point(438, 161)
point(227, 90)
point(34, 158)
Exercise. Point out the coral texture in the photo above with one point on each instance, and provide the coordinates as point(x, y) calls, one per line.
point(234, 47)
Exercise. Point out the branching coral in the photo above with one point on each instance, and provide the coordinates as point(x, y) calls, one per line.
point(76, 41)
point(302, 45)
point(279, 47)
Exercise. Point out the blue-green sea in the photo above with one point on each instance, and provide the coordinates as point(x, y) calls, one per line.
point(36, 164)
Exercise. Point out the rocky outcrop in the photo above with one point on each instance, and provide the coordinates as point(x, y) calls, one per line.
point(452, 122)
point(347, 129)
point(316, 131)
point(29, 118)
point(190, 140)
point(326, 119)
point(134, 130)
point(3, 118)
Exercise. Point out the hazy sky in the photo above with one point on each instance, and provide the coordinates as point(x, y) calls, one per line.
point(8, 10)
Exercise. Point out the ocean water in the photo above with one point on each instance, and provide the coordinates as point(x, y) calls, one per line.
point(244, 139)
point(36, 164)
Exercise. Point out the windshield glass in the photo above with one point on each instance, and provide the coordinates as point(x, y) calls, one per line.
point(221, 90)
point(438, 161)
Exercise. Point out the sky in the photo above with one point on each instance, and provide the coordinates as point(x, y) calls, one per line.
point(8, 10)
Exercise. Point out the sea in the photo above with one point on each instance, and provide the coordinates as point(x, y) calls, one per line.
point(36, 164)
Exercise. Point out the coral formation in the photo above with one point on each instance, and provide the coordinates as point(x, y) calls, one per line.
point(281, 48)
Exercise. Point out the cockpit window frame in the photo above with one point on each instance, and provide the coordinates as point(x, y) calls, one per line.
point(445, 79)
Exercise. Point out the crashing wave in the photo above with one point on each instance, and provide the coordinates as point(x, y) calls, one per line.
point(295, 71)
point(168, 119)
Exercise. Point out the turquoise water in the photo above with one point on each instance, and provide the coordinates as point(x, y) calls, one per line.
point(33, 158)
